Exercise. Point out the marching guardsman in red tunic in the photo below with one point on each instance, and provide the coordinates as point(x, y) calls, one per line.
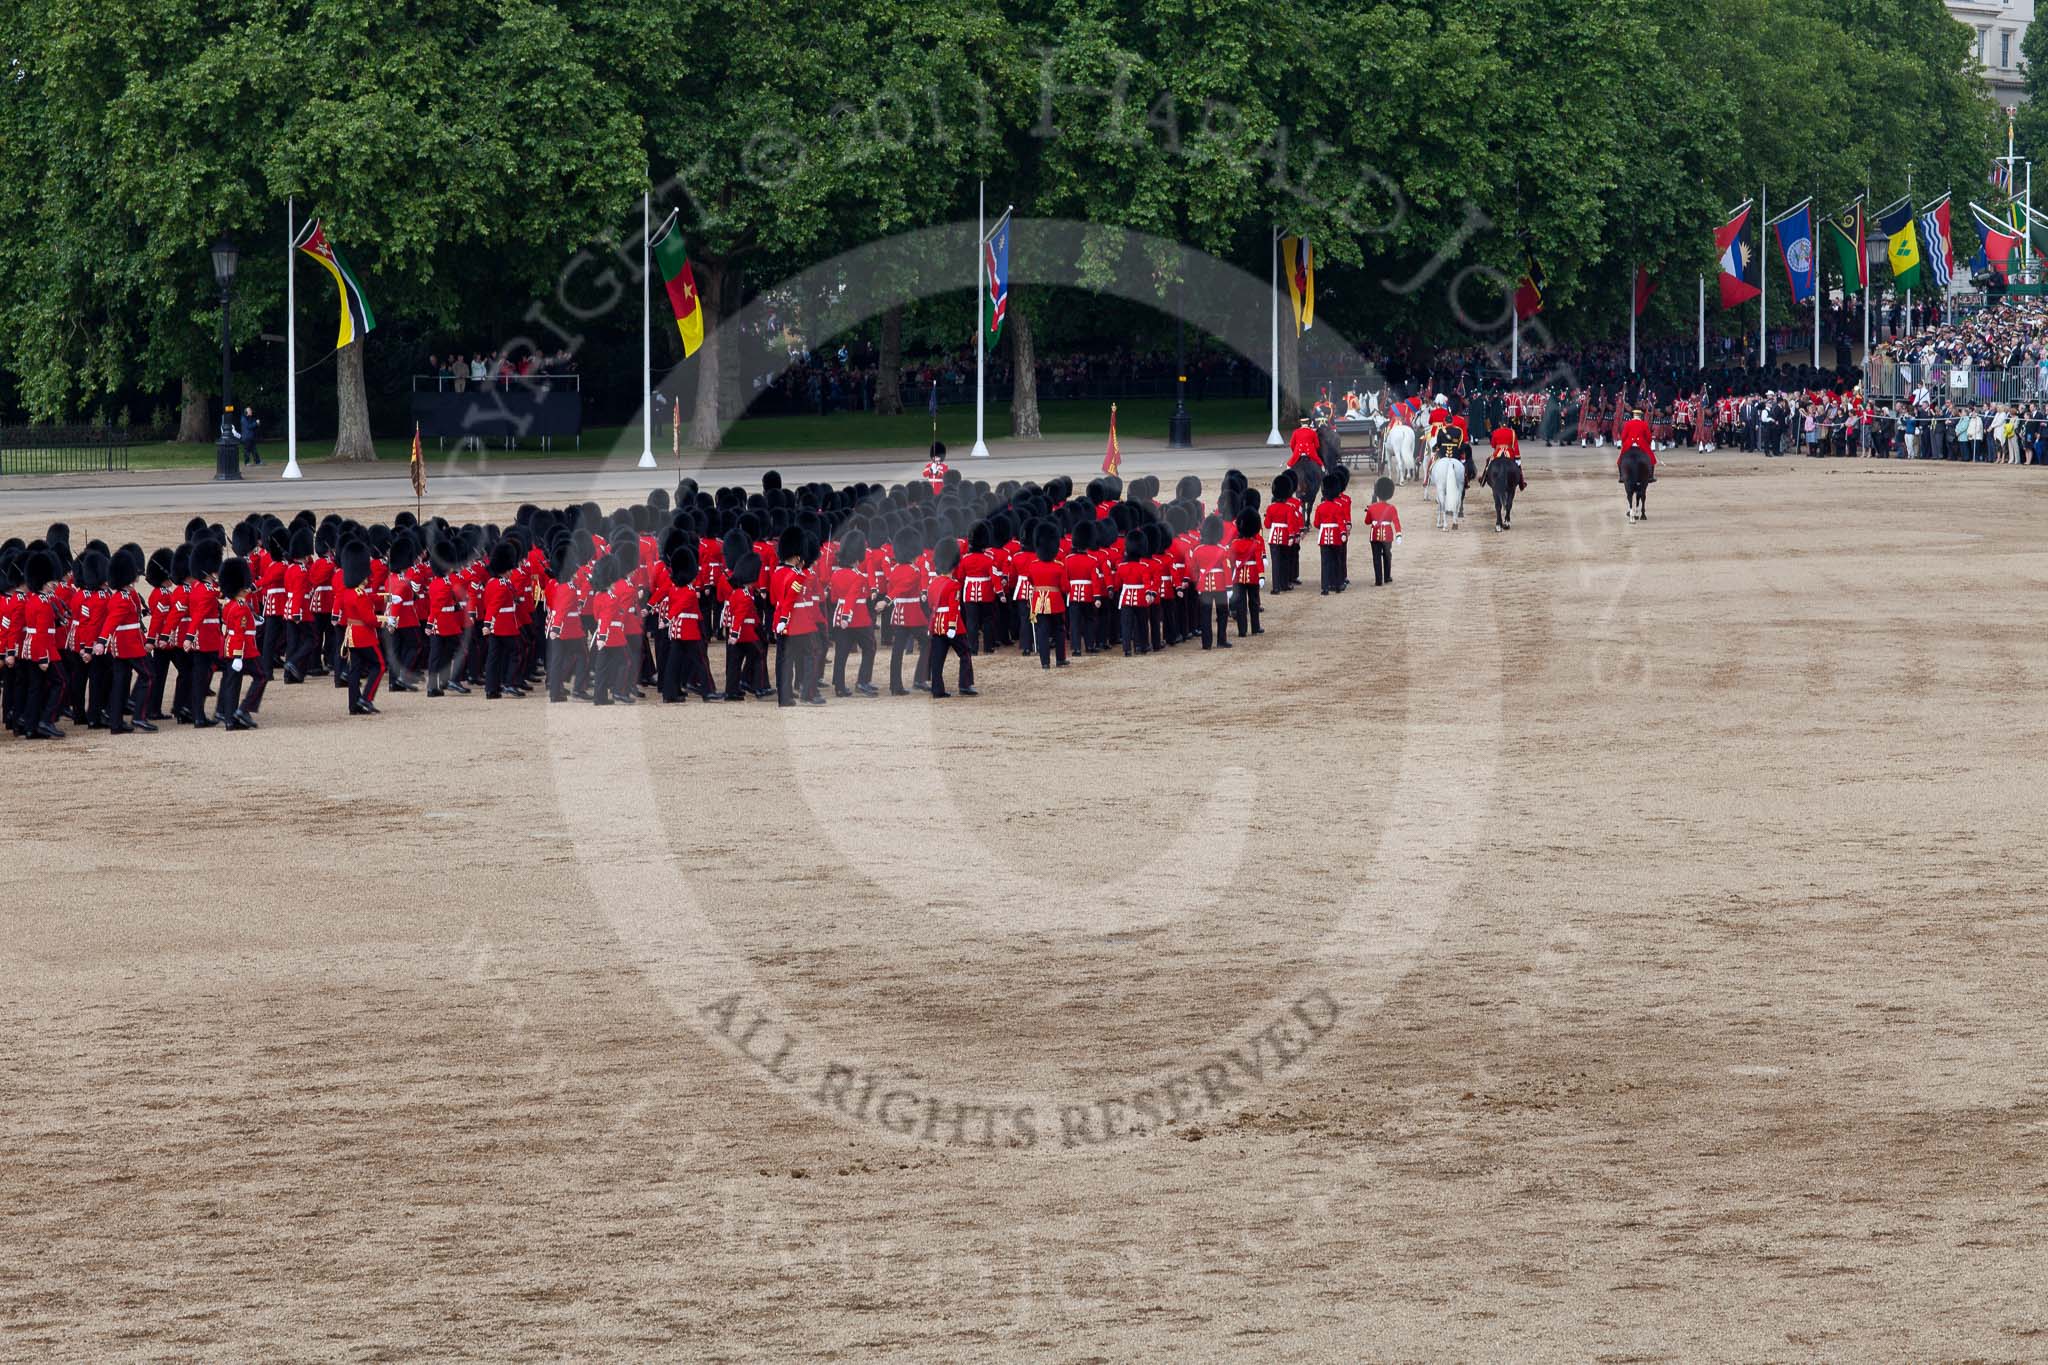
point(127, 649)
point(853, 624)
point(202, 632)
point(39, 652)
point(407, 655)
point(936, 468)
point(501, 623)
point(1210, 561)
point(903, 586)
point(166, 575)
point(744, 668)
point(241, 647)
point(1333, 525)
point(355, 611)
point(1384, 526)
point(1247, 563)
point(1284, 528)
point(446, 621)
point(685, 666)
point(981, 589)
point(948, 624)
point(1044, 581)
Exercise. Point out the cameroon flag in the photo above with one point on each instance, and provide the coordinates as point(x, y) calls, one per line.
point(1896, 223)
point(674, 264)
point(356, 318)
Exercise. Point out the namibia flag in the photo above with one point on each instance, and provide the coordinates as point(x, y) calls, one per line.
point(1896, 223)
point(356, 317)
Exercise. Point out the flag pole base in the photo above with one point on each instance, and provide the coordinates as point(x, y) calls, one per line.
point(647, 460)
point(1273, 438)
point(291, 467)
point(980, 451)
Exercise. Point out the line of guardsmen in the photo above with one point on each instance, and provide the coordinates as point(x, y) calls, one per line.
point(602, 606)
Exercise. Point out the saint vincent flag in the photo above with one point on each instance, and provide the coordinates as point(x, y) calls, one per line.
point(1896, 223)
point(1298, 259)
point(674, 264)
point(1848, 235)
point(356, 318)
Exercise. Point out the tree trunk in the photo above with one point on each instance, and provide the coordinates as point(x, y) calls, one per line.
point(704, 415)
point(195, 415)
point(1023, 376)
point(1290, 378)
point(889, 372)
point(352, 406)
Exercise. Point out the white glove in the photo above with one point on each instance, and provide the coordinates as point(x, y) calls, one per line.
point(1397, 537)
point(236, 665)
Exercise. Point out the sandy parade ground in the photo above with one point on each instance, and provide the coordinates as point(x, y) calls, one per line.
point(1610, 942)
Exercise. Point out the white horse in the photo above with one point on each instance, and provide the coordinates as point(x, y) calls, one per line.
point(1397, 453)
point(1447, 482)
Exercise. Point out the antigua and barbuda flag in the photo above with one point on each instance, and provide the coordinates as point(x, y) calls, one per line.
point(1738, 266)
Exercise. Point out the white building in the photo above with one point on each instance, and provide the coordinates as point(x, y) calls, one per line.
point(1999, 25)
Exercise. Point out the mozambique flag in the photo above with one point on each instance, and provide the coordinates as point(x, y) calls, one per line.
point(674, 264)
point(1848, 235)
point(356, 317)
point(1298, 258)
point(1896, 223)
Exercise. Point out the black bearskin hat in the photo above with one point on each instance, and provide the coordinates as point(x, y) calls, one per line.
point(1188, 489)
point(682, 564)
point(1332, 486)
point(1248, 525)
point(158, 570)
point(977, 537)
point(41, 568)
point(1382, 489)
point(1084, 536)
point(354, 563)
point(853, 549)
point(938, 450)
point(1283, 485)
point(946, 557)
point(504, 558)
point(125, 569)
point(89, 570)
point(1212, 529)
point(745, 570)
point(405, 552)
point(206, 558)
point(234, 577)
point(790, 544)
point(1045, 541)
point(302, 543)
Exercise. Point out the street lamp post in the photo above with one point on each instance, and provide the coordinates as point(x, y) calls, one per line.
point(1180, 427)
point(227, 457)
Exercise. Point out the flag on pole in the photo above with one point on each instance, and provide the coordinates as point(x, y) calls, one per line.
point(1644, 290)
point(1848, 234)
point(1794, 230)
point(1738, 268)
point(1940, 254)
point(997, 249)
point(1113, 458)
point(1903, 242)
point(356, 318)
point(2001, 175)
point(1998, 239)
point(419, 465)
point(673, 261)
point(1529, 289)
point(1299, 258)
point(675, 431)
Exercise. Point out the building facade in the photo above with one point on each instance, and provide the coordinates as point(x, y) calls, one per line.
point(1999, 26)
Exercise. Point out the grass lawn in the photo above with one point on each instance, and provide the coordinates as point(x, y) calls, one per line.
point(1137, 418)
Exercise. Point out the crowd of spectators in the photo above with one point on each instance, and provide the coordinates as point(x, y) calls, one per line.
point(459, 372)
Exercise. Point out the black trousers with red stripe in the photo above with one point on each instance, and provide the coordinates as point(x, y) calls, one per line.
point(365, 672)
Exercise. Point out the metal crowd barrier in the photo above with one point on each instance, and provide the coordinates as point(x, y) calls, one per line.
point(62, 450)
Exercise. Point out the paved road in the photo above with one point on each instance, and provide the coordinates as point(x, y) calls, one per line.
point(451, 485)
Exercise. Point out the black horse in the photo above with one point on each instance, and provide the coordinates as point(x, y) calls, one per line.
point(1504, 476)
point(1635, 483)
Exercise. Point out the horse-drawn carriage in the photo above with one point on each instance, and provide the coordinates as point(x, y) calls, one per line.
point(1359, 444)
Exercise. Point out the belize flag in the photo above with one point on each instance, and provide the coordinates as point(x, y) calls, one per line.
point(1738, 268)
point(1795, 249)
point(996, 263)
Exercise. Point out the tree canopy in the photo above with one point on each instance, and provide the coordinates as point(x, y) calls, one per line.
point(463, 154)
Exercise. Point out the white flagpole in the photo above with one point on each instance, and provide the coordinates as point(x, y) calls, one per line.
point(1515, 342)
point(1909, 219)
point(1863, 246)
point(1763, 287)
point(981, 282)
point(1813, 264)
point(1703, 322)
point(647, 333)
point(291, 342)
point(1633, 277)
point(1273, 370)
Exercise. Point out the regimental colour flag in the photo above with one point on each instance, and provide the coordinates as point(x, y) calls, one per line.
point(1738, 267)
point(356, 317)
point(1940, 253)
point(673, 261)
point(1795, 249)
point(1896, 222)
point(1298, 259)
point(996, 265)
point(419, 465)
point(1529, 289)
point(1848, 235)
point(1112, 458)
